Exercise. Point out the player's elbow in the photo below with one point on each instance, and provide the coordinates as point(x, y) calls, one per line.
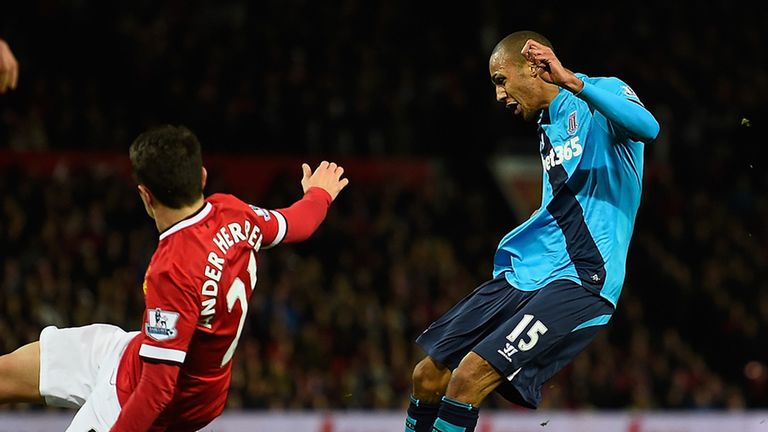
point(649, 130)
point(653, 129)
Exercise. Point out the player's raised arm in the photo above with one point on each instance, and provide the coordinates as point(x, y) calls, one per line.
point(297, 222)
point(9, 68)
point(628, 114)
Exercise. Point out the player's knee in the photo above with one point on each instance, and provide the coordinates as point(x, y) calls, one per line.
point(430, 379)
point(473, 380)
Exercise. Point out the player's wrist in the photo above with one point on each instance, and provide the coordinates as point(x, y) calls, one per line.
point(574, 85)
point(319, 193)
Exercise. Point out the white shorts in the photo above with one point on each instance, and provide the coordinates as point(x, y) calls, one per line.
point(78, 369)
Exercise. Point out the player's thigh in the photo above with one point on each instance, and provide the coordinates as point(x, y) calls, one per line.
point(20, 375)
point(100, 411)
point(552, 314)
point(552, 361)
point(98, 414)
point(524, 387)
point(452, 336)
point(102, 407)
point(72, 358)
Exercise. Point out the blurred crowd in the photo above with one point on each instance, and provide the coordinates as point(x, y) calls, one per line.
point(378, 79)
point(356, 77)
point(333, 320)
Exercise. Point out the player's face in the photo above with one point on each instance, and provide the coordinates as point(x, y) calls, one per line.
point(515, 88)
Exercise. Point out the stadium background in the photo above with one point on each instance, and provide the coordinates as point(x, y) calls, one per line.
point(399, 91)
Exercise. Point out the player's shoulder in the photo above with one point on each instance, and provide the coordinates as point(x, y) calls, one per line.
point(169, 268)
point(571, 106)
point(178, 248)
point(612, 84)
point(167, 264)
point(188, 237)
point(602, 81)
point(225, 199)
point(228, 206)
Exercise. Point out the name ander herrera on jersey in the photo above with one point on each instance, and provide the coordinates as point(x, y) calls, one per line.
point(226, 237)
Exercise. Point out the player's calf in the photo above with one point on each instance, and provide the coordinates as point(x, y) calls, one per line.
point(20, 375)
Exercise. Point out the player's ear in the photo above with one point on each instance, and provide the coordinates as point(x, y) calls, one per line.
point(529, 69)
point(147, 199)
point(145, 194)
point(204, 178)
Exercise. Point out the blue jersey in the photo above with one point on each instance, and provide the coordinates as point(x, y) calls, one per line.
point(591, 149)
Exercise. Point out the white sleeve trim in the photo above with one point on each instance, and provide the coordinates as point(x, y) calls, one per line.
point(282, 227)
point(154, 352)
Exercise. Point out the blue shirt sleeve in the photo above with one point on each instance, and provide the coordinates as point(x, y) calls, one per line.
point(621, 106)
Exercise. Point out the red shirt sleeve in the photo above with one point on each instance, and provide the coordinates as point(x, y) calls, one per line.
point(153, 393)
point(173, 309)
point(305, 215)
point(169, 323)
point(297, 222)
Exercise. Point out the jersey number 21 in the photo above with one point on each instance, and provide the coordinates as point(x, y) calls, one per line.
point(236, 293)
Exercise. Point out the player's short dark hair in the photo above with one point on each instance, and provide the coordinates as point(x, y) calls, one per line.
point(514, 43)
point(168, 161)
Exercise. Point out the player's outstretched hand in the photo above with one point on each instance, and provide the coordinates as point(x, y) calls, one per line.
point(9, 68)
point(545, 64)
point(326, 176)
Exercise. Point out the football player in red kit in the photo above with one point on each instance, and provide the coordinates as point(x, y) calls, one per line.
point(174, 374)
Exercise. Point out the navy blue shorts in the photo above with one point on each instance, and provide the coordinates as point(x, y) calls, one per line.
point(527, 336)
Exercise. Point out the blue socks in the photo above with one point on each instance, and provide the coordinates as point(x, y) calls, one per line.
point(421, 416)
point(455, 416)
point(450, 416)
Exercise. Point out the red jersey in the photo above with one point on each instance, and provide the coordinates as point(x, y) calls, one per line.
point(197, 288)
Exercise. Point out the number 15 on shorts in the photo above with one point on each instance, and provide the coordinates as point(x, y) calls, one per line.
point(523, 344)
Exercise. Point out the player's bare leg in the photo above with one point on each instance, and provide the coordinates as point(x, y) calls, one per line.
point(471, 382)
point(20, 375)
point(430, 379)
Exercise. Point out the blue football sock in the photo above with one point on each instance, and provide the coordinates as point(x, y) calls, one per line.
point(421, 416)
point(455, 416)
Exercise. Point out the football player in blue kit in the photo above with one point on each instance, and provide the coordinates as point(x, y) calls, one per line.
point(557, 277)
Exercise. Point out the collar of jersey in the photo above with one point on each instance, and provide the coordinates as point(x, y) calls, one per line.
point(188, 221)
